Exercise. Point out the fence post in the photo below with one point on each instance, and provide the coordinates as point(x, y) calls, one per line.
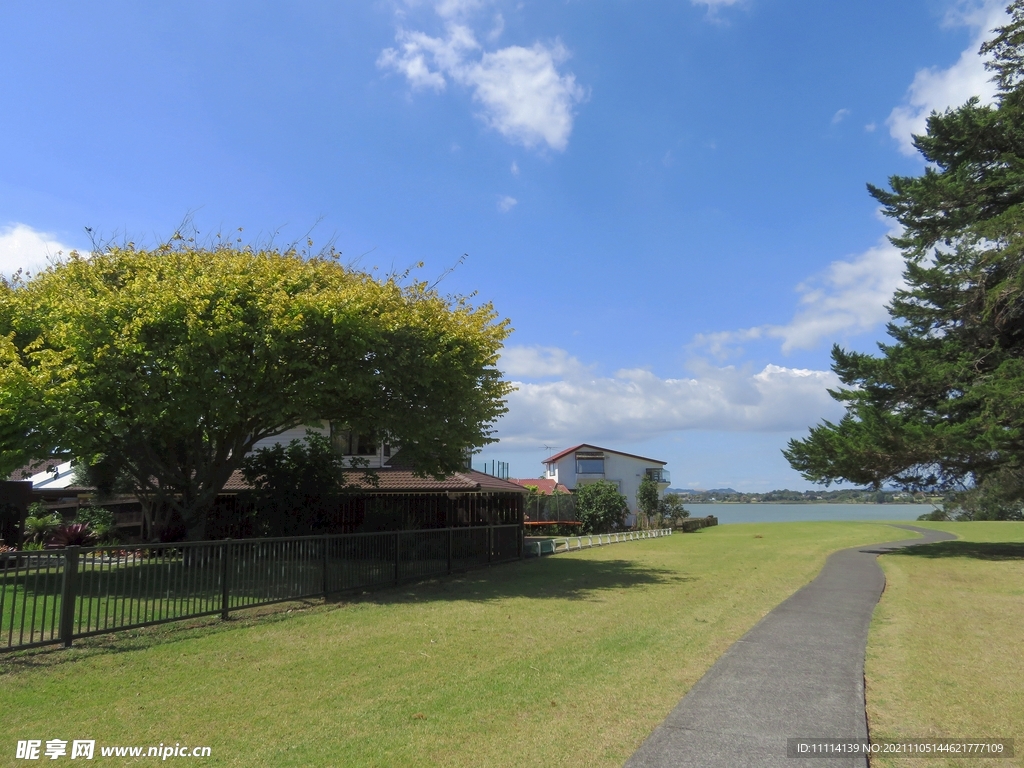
point(68, 596)
point(398, 551)
point(326, 543)
point(450, 545)
point(490, 542)
point(225, 581)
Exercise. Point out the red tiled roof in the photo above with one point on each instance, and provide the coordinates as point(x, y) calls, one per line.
point(575, 448)
point(545, 486)
point(404, 480)
point(236, 483)
point(26, 471)
point(389, 479)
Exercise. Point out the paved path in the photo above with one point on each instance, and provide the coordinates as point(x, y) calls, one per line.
point(798, 673)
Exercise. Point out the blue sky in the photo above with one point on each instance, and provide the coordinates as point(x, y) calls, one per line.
point(666, 198)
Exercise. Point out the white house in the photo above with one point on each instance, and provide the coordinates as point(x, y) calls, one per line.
point(353, 446)
point(584, 464)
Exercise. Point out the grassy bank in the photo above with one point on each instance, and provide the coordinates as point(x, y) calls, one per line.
point(946, 652)
point(571, 660)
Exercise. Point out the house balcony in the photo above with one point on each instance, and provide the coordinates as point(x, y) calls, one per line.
point(661, 476)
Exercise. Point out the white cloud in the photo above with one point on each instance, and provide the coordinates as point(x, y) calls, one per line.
point(520, 90)
point(539, 362)
point(22, 247)
point(847, 298)
point(455, 8)
point(524, 97)
point(935, 90)
point(636, 404)
point(497, 29)
point(839, 116)
point(416, 48)
point(506, 203)
point(515, 168)
point(870, 127)
point(711, 4)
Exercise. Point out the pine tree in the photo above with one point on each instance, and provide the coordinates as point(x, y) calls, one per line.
point(942, 407)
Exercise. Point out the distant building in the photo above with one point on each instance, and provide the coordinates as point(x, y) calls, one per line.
point(585, 463)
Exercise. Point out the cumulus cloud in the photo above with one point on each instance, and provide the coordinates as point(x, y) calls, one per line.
point(840, 115)
point(22, 247)
point(520, 91)
point(712, 4)
point(935, 89)
point(849, 297)
point(637, 404)
point(506, 203)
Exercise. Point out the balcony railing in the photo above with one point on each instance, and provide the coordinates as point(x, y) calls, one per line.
point(659, 475)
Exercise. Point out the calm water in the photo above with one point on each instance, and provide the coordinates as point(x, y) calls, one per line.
point(787, 513)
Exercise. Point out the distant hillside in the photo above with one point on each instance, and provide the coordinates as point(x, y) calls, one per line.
point(713, 491)
point(785, 496)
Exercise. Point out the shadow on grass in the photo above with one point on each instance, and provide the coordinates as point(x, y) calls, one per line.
point(975, 549)
point(141, 638)
point(561, 578)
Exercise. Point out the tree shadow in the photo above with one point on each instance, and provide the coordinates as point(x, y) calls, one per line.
point(549, 578)
point(978, 550)
point(557, 577)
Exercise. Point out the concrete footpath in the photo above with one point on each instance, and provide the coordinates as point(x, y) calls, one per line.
point(799, 673)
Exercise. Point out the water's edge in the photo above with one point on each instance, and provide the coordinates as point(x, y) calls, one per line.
point(788, 513)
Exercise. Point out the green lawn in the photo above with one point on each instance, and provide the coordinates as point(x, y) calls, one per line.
point(568, 660)
point(946, 651)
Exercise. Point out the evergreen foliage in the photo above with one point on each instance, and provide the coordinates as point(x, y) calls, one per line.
point(942, 407)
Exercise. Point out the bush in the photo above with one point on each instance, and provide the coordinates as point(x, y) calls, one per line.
point(40, 524)
point(99, 520)
point(600, 507)
point(672, 507)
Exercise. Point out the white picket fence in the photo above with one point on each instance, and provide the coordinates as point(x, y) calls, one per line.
point(571, 543)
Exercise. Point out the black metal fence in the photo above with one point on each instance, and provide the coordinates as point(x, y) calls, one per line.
point(49, 597)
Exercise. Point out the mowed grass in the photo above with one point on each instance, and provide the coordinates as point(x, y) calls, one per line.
point(570, 661)
point(945, 656)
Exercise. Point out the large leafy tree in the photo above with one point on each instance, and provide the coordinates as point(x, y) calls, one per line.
point(164, 367)
point(943, 405)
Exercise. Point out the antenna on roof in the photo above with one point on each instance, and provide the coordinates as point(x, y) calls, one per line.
point(549, 448)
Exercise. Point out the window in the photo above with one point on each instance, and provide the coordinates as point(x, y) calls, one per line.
point(350, 443)
point(589, 463)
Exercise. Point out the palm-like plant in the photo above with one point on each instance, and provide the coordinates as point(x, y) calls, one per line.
point(38, 528)
point(72, 535)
